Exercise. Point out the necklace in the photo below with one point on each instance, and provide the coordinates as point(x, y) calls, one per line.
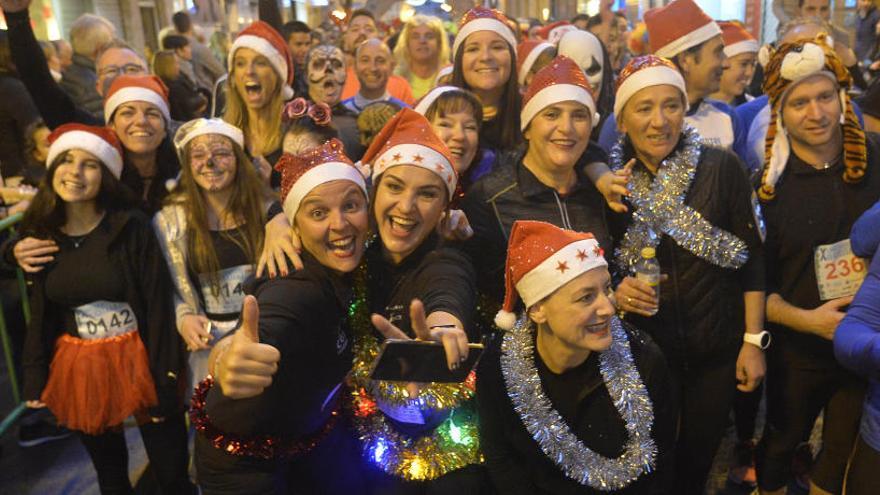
point(548, 428)
point(660, 209)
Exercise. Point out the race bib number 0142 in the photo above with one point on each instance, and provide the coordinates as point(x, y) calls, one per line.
point(102, 319)
point(839, 273)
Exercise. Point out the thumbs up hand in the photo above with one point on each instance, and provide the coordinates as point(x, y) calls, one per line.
point(246, 367)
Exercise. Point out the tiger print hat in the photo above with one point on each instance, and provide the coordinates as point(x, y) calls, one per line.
point(790, 64)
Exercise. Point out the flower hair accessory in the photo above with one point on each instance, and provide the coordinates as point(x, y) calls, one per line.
point(298, 108)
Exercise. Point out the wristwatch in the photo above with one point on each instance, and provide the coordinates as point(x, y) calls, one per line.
point(761, 339)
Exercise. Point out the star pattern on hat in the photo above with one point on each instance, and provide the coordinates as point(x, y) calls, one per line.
point(397, 157)
point(582, 255)
point(417, 158)
point(562, 266)
point(439, 167)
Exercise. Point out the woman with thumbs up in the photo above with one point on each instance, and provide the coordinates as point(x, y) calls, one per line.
point(287, 429)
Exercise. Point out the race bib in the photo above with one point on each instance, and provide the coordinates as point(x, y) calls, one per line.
point(102, 319)
point(405, 414)
point(227, 295)
point(839, 272)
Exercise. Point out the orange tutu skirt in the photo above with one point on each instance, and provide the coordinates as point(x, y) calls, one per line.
point(95, 384)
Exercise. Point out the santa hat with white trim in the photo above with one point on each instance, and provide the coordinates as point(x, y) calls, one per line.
point(302, 173)
point(677, 26)
point(408, 139)
point(200, 127)
point(645, 71)
point(483, 19)
point(541, 258)
point(265, 40)
point(527, 54)
point(553, 32)
point(430, 97)
point(127, 88)
point(736, 39)
point(562, 80)
point(99, 141)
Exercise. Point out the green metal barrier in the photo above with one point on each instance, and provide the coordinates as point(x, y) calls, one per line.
point(8, 223)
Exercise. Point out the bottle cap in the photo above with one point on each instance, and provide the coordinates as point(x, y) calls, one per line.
point(648, 252)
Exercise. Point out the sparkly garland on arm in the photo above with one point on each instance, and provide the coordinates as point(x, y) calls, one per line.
point(553, 435)
point(452, 445)
point(660, 209)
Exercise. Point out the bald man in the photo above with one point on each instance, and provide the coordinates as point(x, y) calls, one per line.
point(373, 66)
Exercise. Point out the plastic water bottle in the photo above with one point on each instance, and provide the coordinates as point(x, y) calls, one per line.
point(648, 271)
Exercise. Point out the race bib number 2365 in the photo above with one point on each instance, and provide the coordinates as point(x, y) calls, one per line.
point(839, 273)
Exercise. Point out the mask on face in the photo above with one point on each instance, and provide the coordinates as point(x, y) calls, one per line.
point(586, 50)
point(326, 72)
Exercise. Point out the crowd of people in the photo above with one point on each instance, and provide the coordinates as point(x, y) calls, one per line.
point(233, 234)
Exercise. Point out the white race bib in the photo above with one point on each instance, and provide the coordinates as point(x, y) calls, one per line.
point(227, 295)
point(839, 273)
point(102, 319)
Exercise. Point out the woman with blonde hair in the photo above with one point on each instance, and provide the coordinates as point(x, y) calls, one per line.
point(422, 50)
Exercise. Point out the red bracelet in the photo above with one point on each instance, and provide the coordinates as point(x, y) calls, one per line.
point(262, 446)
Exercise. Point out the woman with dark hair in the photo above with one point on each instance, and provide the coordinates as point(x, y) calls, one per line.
point(211, 233)
point(484, 54)
point(17, 112)
point(107, 341)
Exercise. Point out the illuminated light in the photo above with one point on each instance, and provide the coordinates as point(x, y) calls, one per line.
point(407, 12)
point(545, 13)
point(379, 450)
point(416, 3)
point(241, 20)
point(446, 7)
point(417, 469)
point(339, 14)
point(52, 29)
point(454, 432)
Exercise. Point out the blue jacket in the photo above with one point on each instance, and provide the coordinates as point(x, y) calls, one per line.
point(857, 340)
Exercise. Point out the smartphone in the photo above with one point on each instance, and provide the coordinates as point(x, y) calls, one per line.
point(421, 361)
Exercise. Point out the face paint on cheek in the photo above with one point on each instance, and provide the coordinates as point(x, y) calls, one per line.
point(326, 61)
point(594, 75)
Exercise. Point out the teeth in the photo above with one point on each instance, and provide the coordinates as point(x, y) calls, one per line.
point(140, 134)
point(403, 223)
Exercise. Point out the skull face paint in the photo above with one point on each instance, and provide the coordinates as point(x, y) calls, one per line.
point(586, 50)
point(326, 72)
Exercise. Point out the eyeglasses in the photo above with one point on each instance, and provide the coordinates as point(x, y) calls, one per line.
point(128, 69)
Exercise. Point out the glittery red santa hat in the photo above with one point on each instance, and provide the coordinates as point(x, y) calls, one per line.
point(736, 39)
point(265, 40)
point(677, 26)
point(408, 139)
point(645, 71)
point(127, 88)
point(527, 54)
point(99, 141)
point(483, 19)
point(553, 32)
point(541, 258)
point(302, 173)
point(560, 81)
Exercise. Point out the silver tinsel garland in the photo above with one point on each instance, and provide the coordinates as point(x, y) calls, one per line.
point(660, 209)
point(554, 436)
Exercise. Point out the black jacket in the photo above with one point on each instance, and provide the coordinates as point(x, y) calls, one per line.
point(17, 112)
point(511, 192)
point(136, 253)
point(516, 462)
point(701, 316)
point(79, 82)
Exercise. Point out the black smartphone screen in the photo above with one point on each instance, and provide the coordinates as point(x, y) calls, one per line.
point(420, 361)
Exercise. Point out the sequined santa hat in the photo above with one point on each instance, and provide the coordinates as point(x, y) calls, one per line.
point(483, 19)
point(99, 141)
point(127, 88)
point(736, 39)
point(527, 54)
point(302, 173)
point(645, 71)
point(265, 40)
point(553, 32)
point(408, 139)
point(790, 65)
point(677, 26)
point(541, 258)
point(562, 80)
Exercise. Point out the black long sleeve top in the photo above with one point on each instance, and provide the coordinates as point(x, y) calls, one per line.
point(516, 463)
point(121, 260)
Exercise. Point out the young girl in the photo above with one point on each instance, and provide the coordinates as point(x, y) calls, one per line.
point(107, 340)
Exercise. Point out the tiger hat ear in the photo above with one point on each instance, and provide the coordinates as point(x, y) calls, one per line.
point(764, 53)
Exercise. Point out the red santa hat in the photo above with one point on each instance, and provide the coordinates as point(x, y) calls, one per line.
point(645, 71)
point(736, 39)
point(99, 141)
point(677, 26)
point(483, 19)
point(408, 139)
point(541, 258)
point(430, 97)
point(127, 88)
point(265, 40)
point(527, 54)
point(560, 81)
point(553, 32)
point(302, 173)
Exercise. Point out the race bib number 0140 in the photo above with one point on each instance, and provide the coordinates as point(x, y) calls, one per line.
point(102, 319)
point(839, 273)
point(227, 295)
